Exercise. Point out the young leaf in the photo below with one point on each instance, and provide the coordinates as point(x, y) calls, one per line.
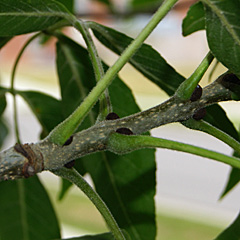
point(18, 17)
point(146, 60)
point(26, 211)
point(46, 108)
point(232, 232)
point(223, 32)
point(195, 19)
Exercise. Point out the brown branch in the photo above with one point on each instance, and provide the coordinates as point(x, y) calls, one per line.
point(29, 159)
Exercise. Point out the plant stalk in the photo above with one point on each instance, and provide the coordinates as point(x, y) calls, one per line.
point(186, 89)
point(121, 144)
point(64, 130)
point(12, 89)
point(73, 176)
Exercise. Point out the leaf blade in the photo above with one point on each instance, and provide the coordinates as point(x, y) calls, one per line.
point(26, 208)
point(46, 108)
point(146, 60)
point(195, 19)
point(232, 232)
point(19, 17)
point(223, 32)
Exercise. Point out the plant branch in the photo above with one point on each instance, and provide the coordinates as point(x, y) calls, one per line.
point(26, 160)
point(64, 130)
point(73, 176)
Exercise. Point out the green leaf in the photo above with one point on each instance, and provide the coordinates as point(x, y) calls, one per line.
point(223, 32)
point(146, 60)
point(46, 108)
point(3, 131)
point(4, 40)
point(144, 5)
point(195, 19)
point(233, 180)
point(155, 68)
point(121, 181)
point(232, 232)
point(26, 211)
point(19, 17)
point(3, 102)
point(69, 4)
point(218, 118)
point(76, 79)
point(3, 127)
point(103, 236)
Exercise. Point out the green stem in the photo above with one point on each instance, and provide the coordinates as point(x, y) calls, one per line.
point(210, 129)
point(12, 90)
point(186, 89)
point(64, 130)
point(104, 99)
point(120, 144)
point(73, 176)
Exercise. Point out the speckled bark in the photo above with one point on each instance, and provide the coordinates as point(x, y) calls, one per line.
point(16, 163)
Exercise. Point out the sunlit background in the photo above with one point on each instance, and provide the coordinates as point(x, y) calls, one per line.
point(187, 198)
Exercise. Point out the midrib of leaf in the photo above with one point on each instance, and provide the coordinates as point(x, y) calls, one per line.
point(118, 195)
point(195, 22)
point(23, 208)
point(33, 14)
point(224, 20)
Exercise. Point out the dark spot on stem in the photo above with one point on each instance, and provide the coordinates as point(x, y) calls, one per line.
point(125, 131)
point(69, 141)
point(69, 164)
point(112, 116)
point(197, 93)
point(200, 114)
point(19, 148)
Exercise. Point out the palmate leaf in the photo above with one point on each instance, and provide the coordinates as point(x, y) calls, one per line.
point(232, 232)
point(26, 211)
point(195, 19)
point(223, 31)
point(126, 183)
point(19, 17)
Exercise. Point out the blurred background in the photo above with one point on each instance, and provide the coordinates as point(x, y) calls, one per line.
point(188, 192)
